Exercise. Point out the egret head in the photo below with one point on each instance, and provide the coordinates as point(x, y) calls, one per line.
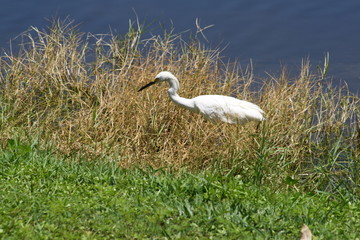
point(164, 76)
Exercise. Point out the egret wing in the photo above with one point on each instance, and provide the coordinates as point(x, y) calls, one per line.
point(227, 109)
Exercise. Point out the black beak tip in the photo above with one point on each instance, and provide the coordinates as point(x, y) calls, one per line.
point(147, 85)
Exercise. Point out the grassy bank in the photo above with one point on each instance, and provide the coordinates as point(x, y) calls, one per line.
point(75, 134)
point(80, 93)
point(45, 197)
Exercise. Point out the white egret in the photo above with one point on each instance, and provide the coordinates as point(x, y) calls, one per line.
point(212, 107)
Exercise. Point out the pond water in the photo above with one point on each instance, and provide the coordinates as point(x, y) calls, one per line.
point(270, 33)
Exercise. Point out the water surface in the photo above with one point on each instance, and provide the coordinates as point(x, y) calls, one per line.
point(270, 33)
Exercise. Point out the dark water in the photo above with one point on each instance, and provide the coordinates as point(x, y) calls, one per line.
point(271, 33)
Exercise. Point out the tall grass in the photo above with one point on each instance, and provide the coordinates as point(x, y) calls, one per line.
point(79, 93)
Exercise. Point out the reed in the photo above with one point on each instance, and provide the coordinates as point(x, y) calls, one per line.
point(79, 93)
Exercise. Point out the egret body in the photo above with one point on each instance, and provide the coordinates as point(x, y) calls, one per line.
point(212, 107)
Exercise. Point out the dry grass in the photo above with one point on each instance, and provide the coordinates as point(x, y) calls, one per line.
point(80, 94)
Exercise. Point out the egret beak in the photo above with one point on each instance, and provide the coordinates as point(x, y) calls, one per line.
point(147, 85)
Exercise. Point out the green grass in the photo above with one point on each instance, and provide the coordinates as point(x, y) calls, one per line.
point(45, 197)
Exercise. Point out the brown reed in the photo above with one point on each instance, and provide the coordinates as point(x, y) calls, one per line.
point(79, 92)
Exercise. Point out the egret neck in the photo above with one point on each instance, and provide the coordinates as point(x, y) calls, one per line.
point(183, 102)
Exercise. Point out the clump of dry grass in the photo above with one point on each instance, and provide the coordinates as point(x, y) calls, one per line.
point(83, 98)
